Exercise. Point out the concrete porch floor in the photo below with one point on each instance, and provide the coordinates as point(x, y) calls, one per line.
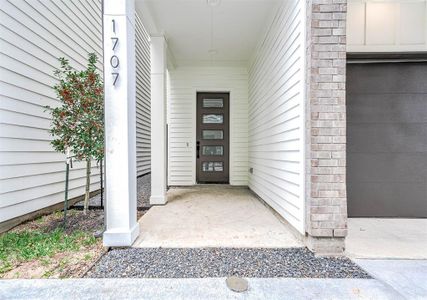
point(213, 216)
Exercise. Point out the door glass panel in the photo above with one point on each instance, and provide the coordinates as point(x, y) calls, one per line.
point(212, 166)
point(213, 119)
point(218, 167)
point(213, 134)
point(213, 150)
point(212, 103)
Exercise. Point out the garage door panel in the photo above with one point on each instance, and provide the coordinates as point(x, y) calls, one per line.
point(387, 199)
point(387, 140)
point(387, 108)
point(387, 167)
point(391, 78)
point(387, 137)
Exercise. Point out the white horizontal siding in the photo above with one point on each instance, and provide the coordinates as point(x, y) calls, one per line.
point(143, 102)
point(276, 114)
point(33, 35)
point(184, 83)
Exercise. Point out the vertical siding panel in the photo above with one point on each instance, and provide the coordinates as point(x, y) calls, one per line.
point(276, 101)
point(183, 84)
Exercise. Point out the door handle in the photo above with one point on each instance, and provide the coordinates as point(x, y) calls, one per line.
point(198, 149)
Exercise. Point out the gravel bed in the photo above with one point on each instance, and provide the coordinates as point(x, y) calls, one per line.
point(144, 191)
point(222, 262)
point(143, 194)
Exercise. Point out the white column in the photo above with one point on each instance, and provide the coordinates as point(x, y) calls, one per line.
point(120, 131)
point(158, 121)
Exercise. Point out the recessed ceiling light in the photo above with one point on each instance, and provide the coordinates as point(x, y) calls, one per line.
point(213, 2)
point(213, 51)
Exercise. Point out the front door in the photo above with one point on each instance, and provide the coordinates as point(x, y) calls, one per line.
point(212, 148)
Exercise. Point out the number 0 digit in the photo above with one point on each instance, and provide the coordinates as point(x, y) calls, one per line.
point(114, 61)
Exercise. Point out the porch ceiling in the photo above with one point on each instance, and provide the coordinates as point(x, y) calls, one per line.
point(193, 28)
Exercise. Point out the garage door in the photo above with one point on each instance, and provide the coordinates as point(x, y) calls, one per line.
point(387, 139)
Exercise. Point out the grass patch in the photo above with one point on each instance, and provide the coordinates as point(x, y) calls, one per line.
point(28, 245)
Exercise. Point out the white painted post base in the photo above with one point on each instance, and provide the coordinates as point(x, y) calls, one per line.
point(118, 238)
point(122, 227)
point(158, 200)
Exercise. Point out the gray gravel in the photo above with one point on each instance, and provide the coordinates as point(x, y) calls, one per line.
point(222, 262)
point(144, 191)
point(143, 194)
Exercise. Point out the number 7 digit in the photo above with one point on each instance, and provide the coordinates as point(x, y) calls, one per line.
point(116, 77)
point(115, 42)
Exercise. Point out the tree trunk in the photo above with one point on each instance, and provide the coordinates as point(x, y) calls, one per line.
point(87, 191)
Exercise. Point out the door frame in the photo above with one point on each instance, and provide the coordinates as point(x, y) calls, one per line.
point(213, 177)
point(231, 124)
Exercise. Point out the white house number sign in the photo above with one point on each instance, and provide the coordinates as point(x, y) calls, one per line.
point(114, 59)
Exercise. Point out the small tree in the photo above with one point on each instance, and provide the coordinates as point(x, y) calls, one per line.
point(78, 123)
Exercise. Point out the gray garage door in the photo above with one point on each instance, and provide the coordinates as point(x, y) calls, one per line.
point(387, 139)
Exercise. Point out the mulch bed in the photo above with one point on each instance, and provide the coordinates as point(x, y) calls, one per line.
point(93, 221)
point(76, 221)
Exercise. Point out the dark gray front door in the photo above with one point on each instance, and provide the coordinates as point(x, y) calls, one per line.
point(212, 147)
point(387, 139)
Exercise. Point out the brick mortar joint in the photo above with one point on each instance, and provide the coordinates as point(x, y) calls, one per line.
point(326, 86)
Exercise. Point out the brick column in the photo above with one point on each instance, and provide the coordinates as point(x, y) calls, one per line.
point(326, 123)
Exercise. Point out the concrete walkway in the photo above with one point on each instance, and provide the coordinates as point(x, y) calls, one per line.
point(271, 289)
point(387, 238)
point(409, 277)
point(213, 216)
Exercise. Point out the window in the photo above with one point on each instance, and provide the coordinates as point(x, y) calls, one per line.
point(213, 119)
point(212, 166)
point(213, 134)
point(213, 103)
point(213, 150)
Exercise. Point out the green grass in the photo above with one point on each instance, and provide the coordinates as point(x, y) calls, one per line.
point(29, 245)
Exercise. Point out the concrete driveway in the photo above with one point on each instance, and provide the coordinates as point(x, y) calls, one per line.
point(393, 251)
point(383, 238)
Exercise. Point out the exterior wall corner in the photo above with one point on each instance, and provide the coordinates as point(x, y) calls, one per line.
point(326, 213)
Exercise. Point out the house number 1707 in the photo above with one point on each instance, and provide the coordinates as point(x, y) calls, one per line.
point(114, 60)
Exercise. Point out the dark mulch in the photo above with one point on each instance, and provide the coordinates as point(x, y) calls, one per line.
point(222, 262)
point(77, 221)
point(93, 221)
